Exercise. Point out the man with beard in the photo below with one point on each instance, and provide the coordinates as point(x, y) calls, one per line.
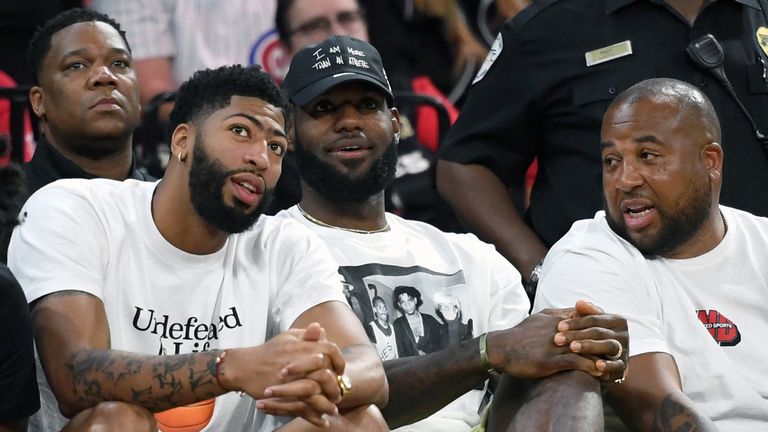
point(687, 273)
point(345, 137)
point(161, 295)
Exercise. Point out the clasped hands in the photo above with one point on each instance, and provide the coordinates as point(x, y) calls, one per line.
point(293, 374)
point(555, 340)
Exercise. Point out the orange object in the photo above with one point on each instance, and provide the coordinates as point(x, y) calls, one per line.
point(190, 418)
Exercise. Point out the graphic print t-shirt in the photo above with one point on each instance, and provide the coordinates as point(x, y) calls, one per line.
point(459, 287)
point(98, 236)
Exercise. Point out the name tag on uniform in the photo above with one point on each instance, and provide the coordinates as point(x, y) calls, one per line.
point(604, 54)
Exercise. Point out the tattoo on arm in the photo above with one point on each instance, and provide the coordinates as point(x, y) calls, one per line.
point(674, 416)
point(156, 383)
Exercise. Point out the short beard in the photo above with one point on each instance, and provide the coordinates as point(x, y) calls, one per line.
point(337, 187)
point(677, 226)
point(207, 177)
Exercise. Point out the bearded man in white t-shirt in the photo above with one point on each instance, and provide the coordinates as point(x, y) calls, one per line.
point(345, 140)
point(150, 296)
point(690, 275)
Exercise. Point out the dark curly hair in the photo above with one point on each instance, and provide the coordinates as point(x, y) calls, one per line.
point(41, 41)
point(411, 291)
point(212, 89)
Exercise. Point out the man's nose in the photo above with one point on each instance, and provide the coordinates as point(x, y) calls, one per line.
point(348, 118)
point(103, 75)
point(629, 177)
point(257, 155)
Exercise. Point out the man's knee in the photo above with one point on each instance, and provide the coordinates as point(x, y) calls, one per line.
point(364, 418)
point(113, 416)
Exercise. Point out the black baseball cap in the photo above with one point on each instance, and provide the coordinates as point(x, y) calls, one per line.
point(317, 68)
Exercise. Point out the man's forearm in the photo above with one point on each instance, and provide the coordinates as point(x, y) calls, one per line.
point(482, 202)
point(421, 385)
point(369, 384)
point(675, 414)
point(156, 383)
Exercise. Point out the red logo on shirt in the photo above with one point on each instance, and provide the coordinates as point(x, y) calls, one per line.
point(721, 328)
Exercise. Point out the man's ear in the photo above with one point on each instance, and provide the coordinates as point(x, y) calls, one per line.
point(182, 140)
point(37, 100)
point(395, 118)
point(292, 138)
point(712, 156)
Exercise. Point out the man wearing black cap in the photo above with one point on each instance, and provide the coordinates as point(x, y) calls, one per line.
point(346, 133)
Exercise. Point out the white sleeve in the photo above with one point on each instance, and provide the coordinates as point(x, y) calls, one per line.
point(306, 274)
point(148, 25)
point(60, 245)
point(509, 303)
point(619, 284)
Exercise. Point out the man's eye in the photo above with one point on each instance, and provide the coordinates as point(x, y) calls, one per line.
point(121, 63)
point(321, 107)
point(239, 131)
point(277, 148)
point(370, 104)
point(647, 155)
point(76, 65)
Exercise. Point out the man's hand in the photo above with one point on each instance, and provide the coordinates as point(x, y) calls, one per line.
point(300, 367)
point(554, 340)
point(597, 335)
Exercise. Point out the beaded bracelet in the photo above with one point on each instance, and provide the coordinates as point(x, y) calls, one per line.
point(219, 363)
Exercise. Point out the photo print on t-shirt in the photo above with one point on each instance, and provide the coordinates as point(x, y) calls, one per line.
point(408, 311)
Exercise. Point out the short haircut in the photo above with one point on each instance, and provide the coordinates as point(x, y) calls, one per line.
point(377, 299)
point(41, 41)
point(691, 101)
point(212, 89)
point(281, 21)
point(410, 291)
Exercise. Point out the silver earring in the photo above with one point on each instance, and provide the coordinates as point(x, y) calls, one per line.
point(180, 159)
point(397, 137)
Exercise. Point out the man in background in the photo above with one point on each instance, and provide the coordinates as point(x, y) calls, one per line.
point(87, 98)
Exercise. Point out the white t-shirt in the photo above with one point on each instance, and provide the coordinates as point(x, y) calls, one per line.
point(199, 34)
point(708, 312)
point(98, 236)
point(455, 270)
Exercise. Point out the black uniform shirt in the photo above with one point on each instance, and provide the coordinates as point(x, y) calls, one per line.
point(48, 165)
point(539, 98)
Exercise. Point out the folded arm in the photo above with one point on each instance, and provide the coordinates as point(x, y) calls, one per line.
point(72, 335)
point(362, 365)
point(534, 348)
